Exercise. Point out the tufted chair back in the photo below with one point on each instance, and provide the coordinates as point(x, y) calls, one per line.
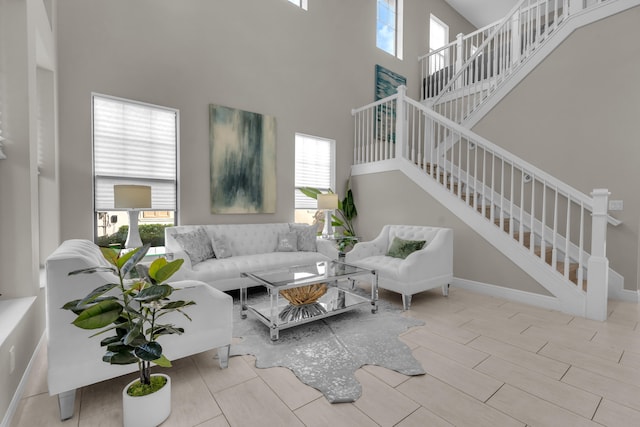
point(249, 239)
point(411, 232)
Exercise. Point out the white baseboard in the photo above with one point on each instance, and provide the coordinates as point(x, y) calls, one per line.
point(542, 301)
point(624, 295)
point(537, 300)
point(17, 396)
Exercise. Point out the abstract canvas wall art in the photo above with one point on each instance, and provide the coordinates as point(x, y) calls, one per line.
point(243, 161)
point(387, 82)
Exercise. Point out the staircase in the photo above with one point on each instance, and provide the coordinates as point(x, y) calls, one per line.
point(554, 232)
point(466, 78)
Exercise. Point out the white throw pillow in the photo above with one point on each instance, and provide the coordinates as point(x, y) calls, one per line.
point(221, 247)
point(196, 244)
point(287, 242)
point(307, 235)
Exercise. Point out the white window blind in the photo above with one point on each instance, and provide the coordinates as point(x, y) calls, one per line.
point(315, 167)
point(134, 143)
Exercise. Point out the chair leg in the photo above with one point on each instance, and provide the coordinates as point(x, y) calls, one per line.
point(406, 302)
point(66, 403)
point(445, 290)
point(223, 356)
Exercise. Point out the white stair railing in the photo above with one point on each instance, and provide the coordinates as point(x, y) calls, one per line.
point(511, 42)
point(439, 66)
point(551, 220)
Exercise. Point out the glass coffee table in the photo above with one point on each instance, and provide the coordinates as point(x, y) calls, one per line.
point(307, 293)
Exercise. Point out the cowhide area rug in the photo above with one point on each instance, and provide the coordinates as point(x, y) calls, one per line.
point(325, 354)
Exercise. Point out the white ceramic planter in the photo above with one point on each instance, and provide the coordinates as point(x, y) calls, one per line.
point(146, 411)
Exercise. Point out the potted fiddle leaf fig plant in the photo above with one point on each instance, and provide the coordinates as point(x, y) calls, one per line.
point(131, 312)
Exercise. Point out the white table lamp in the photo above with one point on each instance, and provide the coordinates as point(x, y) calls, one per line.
point(328, 202)
point(132, 198)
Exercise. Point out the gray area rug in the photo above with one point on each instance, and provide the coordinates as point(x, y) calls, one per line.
point(326, 353)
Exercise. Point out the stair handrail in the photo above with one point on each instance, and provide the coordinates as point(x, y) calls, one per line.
point(400, 99)
point(508, 47)
point(484, 143)
point(462, 37)
point(458, 50)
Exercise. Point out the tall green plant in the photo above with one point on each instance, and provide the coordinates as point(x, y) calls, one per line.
point(133, 313)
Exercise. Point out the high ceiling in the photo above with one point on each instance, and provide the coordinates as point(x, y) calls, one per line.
point(482, 12)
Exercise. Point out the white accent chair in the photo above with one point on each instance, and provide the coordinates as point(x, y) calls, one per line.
point(427, 268)
point(75, 360)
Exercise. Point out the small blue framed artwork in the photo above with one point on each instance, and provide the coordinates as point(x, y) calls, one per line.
point(243, 161)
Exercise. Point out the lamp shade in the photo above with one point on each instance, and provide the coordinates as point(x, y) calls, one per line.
point(132, 196)
point(328, 201)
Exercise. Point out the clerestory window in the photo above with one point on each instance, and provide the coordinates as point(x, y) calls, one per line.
point(389, 27)
point(438, 37)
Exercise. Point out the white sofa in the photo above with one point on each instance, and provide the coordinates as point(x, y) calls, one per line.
point(75, 360)
point(252, 247)
point(424, 269)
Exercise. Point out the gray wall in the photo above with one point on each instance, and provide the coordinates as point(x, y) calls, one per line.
point(27, 103)
point(308, 69)
point(576, 117)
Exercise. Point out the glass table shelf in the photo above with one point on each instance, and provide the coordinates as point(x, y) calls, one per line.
point(278, 313)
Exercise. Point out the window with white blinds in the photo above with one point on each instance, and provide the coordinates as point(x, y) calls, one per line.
point(134, 143)
point(315, 167)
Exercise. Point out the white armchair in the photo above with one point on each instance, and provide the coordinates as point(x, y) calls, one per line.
point(75, 360)
point(427, 268)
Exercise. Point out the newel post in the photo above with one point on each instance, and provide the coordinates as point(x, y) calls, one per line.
point(400, 136)
point(459, 52)
point(515, 38)
point(598, 265)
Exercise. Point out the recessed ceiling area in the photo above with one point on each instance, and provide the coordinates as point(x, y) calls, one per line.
point(481, 13)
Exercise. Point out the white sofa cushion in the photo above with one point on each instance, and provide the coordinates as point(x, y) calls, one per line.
point(230, 268)
point(249, 239)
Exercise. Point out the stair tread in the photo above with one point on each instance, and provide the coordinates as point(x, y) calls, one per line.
point(573, 270)
point(526, 235)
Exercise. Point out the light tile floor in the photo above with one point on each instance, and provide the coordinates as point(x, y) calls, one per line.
point(489, 362)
